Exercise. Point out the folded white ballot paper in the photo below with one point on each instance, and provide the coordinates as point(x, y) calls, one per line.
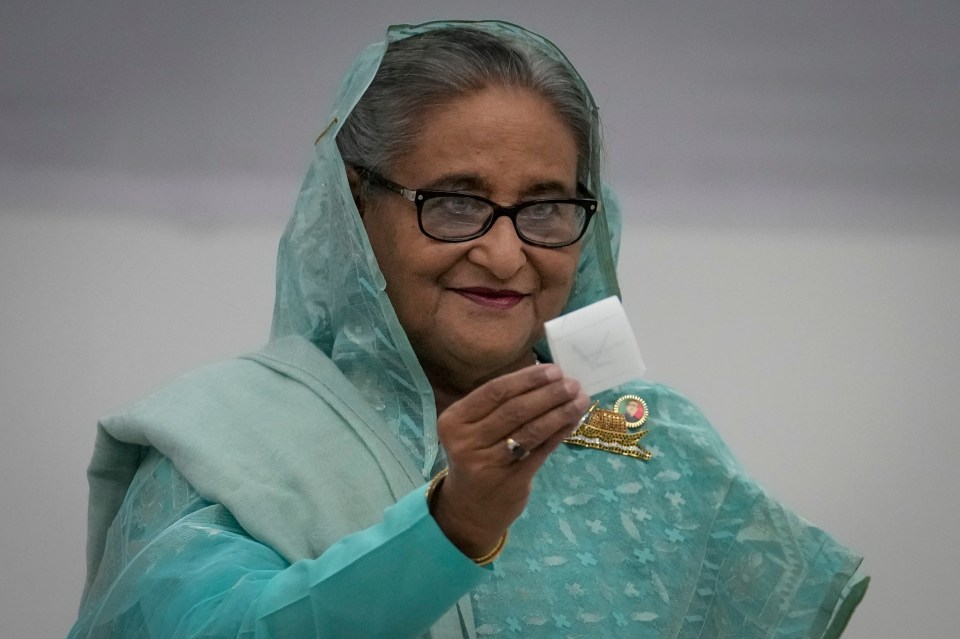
point(596, 346)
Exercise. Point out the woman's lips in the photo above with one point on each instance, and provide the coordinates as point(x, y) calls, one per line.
point(492, 298)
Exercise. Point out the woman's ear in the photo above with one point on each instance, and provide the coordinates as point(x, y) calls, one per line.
point(356, 182)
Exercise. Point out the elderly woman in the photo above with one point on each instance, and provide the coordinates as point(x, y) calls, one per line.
point(452, 207)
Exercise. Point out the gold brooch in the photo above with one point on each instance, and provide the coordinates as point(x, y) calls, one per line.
point(610, 430)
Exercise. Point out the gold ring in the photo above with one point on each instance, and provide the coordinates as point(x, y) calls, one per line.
point(518, 451)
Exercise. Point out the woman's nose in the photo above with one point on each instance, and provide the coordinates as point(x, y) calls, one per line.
point(500, 250)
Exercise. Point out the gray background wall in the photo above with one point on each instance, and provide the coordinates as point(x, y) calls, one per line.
point(790, 173)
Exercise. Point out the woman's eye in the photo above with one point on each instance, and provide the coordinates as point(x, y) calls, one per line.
point(543, 209)
point(547, 212)
point(461, 206)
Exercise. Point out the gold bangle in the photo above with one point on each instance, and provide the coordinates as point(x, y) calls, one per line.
point(489, 557)
point(432, 488)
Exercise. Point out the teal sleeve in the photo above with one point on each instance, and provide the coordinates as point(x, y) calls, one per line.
point(178, 566)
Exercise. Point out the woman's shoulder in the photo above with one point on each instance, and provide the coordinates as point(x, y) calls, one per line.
point(266, 434)
point(234, 390)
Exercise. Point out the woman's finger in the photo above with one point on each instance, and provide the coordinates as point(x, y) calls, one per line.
point(499, 391)
point(529, 418)
point(530, 407)
point(536, 432)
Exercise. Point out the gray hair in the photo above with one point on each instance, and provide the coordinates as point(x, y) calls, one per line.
point(430, 69)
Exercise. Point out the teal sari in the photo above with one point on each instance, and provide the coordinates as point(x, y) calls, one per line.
point(282, 493)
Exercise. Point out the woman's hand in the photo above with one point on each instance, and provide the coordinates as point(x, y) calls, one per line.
point(487, 486)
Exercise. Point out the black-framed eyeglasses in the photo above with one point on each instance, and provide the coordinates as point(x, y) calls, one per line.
point(459, 217)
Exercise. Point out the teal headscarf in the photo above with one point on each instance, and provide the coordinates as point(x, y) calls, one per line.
point(330, 288)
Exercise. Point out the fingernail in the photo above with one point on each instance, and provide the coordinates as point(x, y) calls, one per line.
point(572, 386)
point(552, 372)
point(582, 402)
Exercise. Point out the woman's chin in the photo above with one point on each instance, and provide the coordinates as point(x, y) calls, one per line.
point(501, 362)
point(468, 364)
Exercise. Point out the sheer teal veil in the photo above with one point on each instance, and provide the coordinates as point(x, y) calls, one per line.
point(330, 288)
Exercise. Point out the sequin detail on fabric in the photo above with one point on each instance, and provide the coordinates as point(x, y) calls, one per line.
point(610, 430)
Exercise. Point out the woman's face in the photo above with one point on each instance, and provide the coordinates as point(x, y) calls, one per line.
point(473, 310)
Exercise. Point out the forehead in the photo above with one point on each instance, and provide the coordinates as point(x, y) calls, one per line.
point(509, 136)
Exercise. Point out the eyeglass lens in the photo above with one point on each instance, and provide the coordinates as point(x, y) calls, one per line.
point(459, 217)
